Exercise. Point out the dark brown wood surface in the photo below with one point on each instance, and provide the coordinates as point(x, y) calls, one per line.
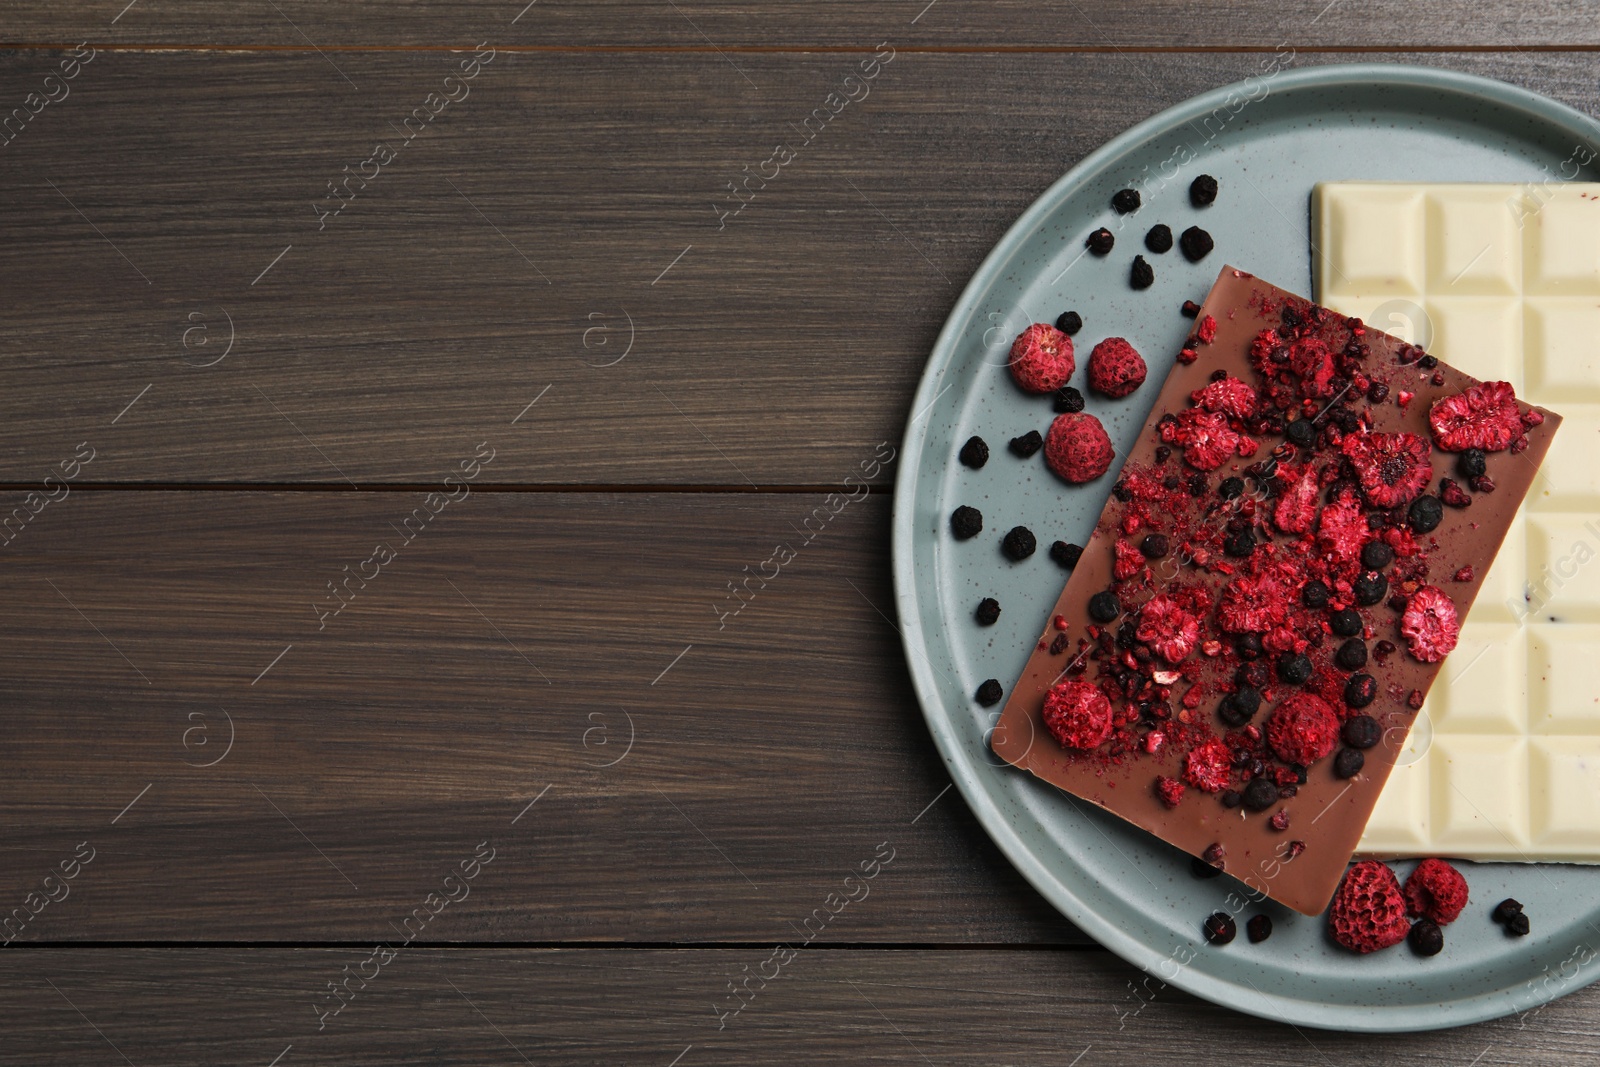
point(480, 293)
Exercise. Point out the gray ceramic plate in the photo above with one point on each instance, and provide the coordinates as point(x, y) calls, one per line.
point(1267, 140)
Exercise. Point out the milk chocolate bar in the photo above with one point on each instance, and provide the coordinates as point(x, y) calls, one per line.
point(1272, 587)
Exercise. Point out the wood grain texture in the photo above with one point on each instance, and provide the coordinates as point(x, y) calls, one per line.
point(823, 23)
point(433, 1006)
point(567, 195)
point(504, 651)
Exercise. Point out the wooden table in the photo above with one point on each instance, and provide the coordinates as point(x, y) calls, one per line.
point(376, 524)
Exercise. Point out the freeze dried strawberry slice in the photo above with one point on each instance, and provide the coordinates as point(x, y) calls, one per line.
point(1128, 561)
point(1312, 362)
point(1226, 396)
point(1207, 441)
point(1429, 624)
point(1206, 766)
point(1297, 498)
point(1259, 603)
point(1342, 530)
point(1368, 911)
point(1393, 467)
point(1169, 630)
point(1482, 416)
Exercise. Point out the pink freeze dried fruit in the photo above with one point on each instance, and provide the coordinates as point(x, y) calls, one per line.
point(1393, 467)
point(1115, 368)
point(1206, 439)
point(1303, 729)
point(1436, 891)
point(1041, 358)
point(1429, 624)
point(1368, 912)
point(1482, 416)
point(1206, 766)
point(1169, 630)
point(1077, 447)
point(1077, 715)
point(1226, 396)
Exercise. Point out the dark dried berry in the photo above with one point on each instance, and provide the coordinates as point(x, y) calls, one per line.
point(1190, 309)
point(1249, 647)
point(1104, 606)
point(1196, 244)
point(988, 611)
point(1451, 493)
point(1154, 546)
point(1294, 668)
point(1301, 432)
point(1027, 444)
point(1100, 241)
point(1345, 623)
point(1220, 928)
point(1125, 201)
point(1068, 400)
point(1240, 544)
point(1426, 513)
point(1517, 925)
point(1425, 938)
point(1352, 655)
point(1059, 645)
point(1232, 798)
point(1260, 794)
point(1230, 488)
point(1159, 239)
point(1428, 362)
point(1203, 190)
point(989, 693)
point(1370, 588)
point(1018, 544)
point(1201, 869)
point(1482, 484)
point(1141, 275)
point(1376, 555)
point(1472, 463)
point(1505, 909)
point(975, 453)
point(1171, 482)
point(1254, 675)
point(1348, 763)
point(966, 522)
point(1315, 594)
point(1361, 731)
point(1069, 322)
point(1258, 929)
point(1360, 690)
point(1122, 492)
point(1378, 392)
point(1239, 708)
point(1214, 854)
point(1065, 554)
point(1197, 485)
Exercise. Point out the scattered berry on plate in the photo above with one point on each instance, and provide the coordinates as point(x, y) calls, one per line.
point(1077, 447)
point(989, 693)
point(988, 611)
point(966, 522)
point(1368, 911)
point(1116, 368)
point(1125, 201)
point(1258, 929)
point(1436, 891)
point(1019, 544)
point(1069, 322)
point(1203, 191)
point(1041, 358)
point(1068, 399)
point(975, 453)
point(1426, 938)
point(1066, 554)
point(1027, 444)
point(1220, 928)
point(1100, 241)
point(1159, 239)
point(1141, 275)
point(1195, 243)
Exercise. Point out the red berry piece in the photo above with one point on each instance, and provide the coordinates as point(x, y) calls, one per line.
point(1207, 440)
point(1077, 447)
point(1393, 467)
point(1115, 368)
point(1303, 729)
point(1436, 891)
point(1208, 766)
point(1170, 790)
point(1368, 911)
point(1041, 358)
point(1077, 715)
point(1169, 630)
point(1482, 416)
point(1226, 396)
point(1451, 493)
point(1429, 624)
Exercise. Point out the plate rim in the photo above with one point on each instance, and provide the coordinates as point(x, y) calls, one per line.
point(996, 823)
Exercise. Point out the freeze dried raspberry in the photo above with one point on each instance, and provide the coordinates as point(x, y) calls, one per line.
point(1259, 603)
point(1127, 561)
point(1297, 499)
point(1451, 493)
point(1169, 630)
point(1041, 358)
point(1187, 355)
point(1482, 416)
point(1207, 766)
point(1077, 714)
point(1312, 363)
point(1368, 912)
point(1115, 368)
point(1342, 529)
point(1429, 624)
point(1170, 790)
point(1465, 574)
point(1206, 439)
point(1207, 330)
point(1227, 396)
point(1303, 729)
point(1077, 447)
point(1436, 890)
point(1393, 467)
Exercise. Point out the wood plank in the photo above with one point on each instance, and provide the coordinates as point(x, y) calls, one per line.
point(513, 646)
point(432, 1006)
point(568, 194)
point(729, 25)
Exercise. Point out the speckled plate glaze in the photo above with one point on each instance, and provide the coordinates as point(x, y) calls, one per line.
point(1267, 140)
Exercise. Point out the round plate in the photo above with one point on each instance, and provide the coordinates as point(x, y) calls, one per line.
point(1267, 139)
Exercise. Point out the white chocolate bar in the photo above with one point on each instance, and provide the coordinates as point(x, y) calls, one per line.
point(1502, 282)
